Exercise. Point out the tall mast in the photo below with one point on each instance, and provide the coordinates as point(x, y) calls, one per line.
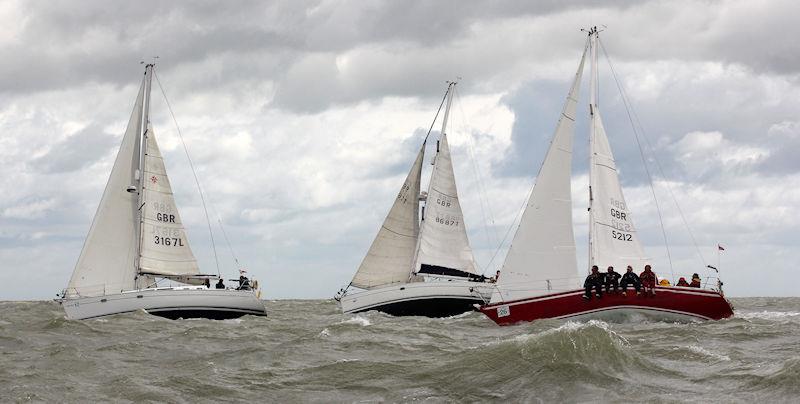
point(450, 89)
point(142, 152)
point(449, 96)
point(592, 112)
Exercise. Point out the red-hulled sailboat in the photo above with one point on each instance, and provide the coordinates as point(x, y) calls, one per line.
point(540, 278)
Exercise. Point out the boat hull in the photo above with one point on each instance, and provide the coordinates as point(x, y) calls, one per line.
point(668, 303)
point(173, 303)
point(429, 299)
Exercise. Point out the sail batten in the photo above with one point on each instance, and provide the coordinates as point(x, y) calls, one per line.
point(541, 258)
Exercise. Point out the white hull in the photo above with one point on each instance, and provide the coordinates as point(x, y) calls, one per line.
point(177, 302)
point(434, 299)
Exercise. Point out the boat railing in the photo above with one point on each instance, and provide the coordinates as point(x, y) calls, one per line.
point(555, 285)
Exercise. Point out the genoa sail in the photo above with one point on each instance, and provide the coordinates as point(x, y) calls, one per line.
point(391, 254)
point(164, 247)
point(541, 258)
point(108, 259)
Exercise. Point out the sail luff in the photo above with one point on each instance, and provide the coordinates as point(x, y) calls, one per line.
point(142, 153)
point(592, 111)
point(541, 258)
point(390, 257)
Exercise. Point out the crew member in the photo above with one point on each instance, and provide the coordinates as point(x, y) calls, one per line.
point(648, 278)
point(682, 282)
point(695, 281)
point(612, 280)
point(664, 282)
point(594, 280)
point(220, 285)
point(630, 278)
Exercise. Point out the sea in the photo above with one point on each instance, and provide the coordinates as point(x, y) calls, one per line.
point(307, 351)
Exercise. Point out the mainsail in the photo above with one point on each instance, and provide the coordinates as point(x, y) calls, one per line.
point(164, 248)
point(443, 243)
point(542, 254)
point(613, 240)
point(108, 259)
point(391, 255)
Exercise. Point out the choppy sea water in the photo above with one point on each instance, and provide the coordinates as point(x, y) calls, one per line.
point(306, 351)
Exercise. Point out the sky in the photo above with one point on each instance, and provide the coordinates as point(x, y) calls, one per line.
point(303, 118)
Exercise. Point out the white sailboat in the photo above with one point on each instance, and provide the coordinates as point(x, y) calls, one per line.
point(137, 239)
point(420, 266)
point(540, 277)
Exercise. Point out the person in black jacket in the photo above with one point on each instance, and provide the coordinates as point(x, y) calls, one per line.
point(220, 285)
point(612, 280)
point(630, 278)
point(594, 280)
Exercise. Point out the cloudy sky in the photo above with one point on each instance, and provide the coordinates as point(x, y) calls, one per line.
point(303, 118)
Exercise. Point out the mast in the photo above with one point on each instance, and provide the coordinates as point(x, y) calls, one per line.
point(142, 152)
point(592, 109)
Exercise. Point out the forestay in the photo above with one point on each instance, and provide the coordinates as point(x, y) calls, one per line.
point(164, 247)
point(391, 254)
point(107, 263)
point(541, 258)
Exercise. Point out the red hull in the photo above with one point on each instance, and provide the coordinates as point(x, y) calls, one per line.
point(668, 301)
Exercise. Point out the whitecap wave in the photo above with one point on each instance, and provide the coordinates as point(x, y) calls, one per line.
point(705, 352)
point(363, 321)
point(768, 315)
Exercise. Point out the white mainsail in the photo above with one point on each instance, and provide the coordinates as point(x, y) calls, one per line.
point(613, 240)
point(164, 246)
point(541, 258)
point(391, 254)
point(108, 259)
point(443, 238)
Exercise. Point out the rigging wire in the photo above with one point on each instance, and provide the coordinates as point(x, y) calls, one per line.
point(482, 193)
point(626, 103)
point(634, 119)
point(667, 184)
point(194, 172)
point(444, 98)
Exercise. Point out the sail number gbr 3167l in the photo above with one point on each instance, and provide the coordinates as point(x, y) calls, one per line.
point(168, 241)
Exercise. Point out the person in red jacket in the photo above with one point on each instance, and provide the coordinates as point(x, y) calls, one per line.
point(648, 278)
point(682, 282)
point(695, 281)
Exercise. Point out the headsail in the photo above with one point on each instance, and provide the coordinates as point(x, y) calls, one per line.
point(613, 240)
point(443, 237)
point(391, 255)
point(108, 259)
point(164, 247)
point(541, 258)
